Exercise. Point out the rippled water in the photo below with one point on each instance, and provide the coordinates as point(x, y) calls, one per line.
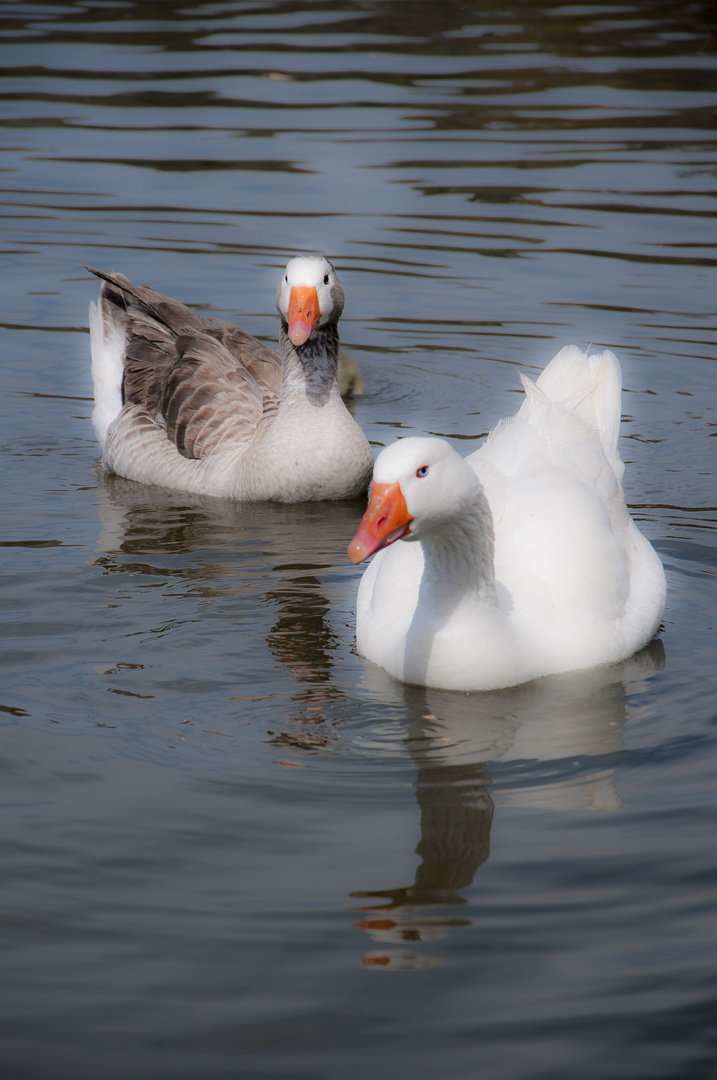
point(230, 847)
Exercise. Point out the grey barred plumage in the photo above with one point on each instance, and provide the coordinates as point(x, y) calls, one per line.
point(222, 406)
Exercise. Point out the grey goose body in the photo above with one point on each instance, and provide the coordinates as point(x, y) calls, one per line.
point(197, 404)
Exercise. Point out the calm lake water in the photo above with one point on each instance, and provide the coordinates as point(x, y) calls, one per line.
point(230, 848)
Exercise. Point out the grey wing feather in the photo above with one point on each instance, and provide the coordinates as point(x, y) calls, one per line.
point(207, 380)
point(262, 362)
point(208, 399)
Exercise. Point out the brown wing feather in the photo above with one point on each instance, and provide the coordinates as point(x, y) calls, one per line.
point(263, 363)
point(206, 379)
point(208, 398)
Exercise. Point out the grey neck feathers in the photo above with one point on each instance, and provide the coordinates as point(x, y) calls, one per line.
point(313, 365)
point(459, 559)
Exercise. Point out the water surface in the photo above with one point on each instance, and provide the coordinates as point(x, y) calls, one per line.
point(231, 848)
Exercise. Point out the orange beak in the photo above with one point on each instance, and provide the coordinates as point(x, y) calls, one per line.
point(303, 313)
point(386, 520)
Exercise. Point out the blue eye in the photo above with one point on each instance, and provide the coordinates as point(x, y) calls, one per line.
point(423, 471)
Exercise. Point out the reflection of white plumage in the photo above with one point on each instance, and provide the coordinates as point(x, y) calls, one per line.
point(199, 405)
point(528, 562)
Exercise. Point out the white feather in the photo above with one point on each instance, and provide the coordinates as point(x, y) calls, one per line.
point(573, 583)
point(107, 353)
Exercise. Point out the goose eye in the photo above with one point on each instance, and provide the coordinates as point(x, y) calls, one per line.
point(326, 279)
point(286, 278)
point(423, 471)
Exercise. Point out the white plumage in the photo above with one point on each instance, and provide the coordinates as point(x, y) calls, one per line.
point(519, 561)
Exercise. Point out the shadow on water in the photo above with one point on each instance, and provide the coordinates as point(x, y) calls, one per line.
point(560, 733)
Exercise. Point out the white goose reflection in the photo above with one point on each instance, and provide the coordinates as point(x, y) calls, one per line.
point(454, 739)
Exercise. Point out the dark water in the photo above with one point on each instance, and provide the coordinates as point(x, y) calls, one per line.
point(229, 847)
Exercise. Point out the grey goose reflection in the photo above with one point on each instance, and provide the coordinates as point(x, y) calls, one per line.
point(197, 404)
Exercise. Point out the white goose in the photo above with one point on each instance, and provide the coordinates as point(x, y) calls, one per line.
point(199, 405)
point(517, 562)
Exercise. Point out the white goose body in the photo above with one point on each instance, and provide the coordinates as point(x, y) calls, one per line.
point(198, 405)
point(519, 561)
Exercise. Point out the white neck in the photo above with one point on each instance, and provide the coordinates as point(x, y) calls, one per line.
point(456, 593)
point(459, 562)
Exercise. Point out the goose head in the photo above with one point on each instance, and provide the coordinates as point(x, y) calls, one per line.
point(420, 486)
point(310, 295)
